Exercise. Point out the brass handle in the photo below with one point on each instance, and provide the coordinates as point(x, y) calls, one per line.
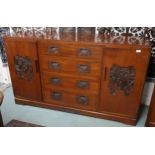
point(55, 80)
point(53, 50)
point(83, 68)
point(82, 84)
point(54, 65)
point(84, 52)
point(56, 95)
point(82, 99)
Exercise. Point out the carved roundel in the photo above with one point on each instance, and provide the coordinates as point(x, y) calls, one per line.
point(23, 67)
point(121, 79)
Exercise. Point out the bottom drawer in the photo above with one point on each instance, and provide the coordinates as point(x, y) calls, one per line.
point(81, 101)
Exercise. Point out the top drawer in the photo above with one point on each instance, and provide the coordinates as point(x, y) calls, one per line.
point(69, 50)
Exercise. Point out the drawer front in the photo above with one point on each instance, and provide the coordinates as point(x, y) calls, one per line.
point(74, 100)
point(72, 83)
point(71, 66)
point(78, 51)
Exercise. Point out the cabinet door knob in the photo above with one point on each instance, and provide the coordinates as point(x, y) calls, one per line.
point(84, 52)
point(56, 95)
point(83, 68)
point(82, 99)
point(82, 84)
point(53, 50)
point(54, 65)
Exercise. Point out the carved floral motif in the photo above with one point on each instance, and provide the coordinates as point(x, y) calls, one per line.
point(121, 78)
point(23, 67)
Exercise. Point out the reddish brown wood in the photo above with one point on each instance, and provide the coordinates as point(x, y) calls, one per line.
point(120, 103)
point(151, 114)
point(69, 50)
point(30, 89)
point(70, 82)
point(70, 66)
point(70, 99)
point(61, 59)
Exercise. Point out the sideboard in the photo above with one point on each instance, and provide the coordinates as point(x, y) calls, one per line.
point(100, 76)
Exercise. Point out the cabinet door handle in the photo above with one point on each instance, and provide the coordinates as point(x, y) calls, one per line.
point(37, 65)
point(53, 50)
point(84, 52)
point(82, 100)
point(104, 72)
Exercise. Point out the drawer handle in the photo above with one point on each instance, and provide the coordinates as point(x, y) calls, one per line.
point(84, 52)
point(53, 50)
point(83, 84)
point(56, 96)
point(82, 100)
point(54, 65)
point(55, 81)
point(83, 68)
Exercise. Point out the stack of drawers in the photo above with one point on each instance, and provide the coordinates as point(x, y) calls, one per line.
point(70, 74)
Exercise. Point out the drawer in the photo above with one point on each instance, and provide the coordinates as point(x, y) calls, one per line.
point(71, 50)
point(71, 66)
point(74, 100)
point(70, 83)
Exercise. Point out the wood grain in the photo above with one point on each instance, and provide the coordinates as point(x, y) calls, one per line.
point(60, 59)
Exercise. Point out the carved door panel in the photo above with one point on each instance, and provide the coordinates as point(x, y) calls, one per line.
point(23, 64)
point(122, 82)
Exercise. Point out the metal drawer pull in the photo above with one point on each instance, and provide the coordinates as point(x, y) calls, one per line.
point(83, 68)
point(53, 50)
point(55, 81)
point(84, 52)
point(82, 99)
point(56, 96)
point(54, 65)
point(83, 84)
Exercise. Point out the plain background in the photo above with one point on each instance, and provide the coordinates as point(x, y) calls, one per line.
point(96, 13)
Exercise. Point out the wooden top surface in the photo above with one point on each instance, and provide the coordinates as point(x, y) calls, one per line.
point(90, 39)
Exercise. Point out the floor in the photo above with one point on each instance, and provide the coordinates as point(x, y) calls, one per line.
point(53, 118)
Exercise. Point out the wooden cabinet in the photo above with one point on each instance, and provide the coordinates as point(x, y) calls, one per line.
point(150, 122)
point(102, 79)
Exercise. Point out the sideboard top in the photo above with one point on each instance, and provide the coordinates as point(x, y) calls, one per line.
point(92, 39)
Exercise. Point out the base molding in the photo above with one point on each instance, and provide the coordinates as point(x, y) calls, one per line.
point(103, 115)
point(150, 124)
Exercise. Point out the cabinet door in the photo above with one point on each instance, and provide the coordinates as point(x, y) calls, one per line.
point(23, 64)
point(123, 78)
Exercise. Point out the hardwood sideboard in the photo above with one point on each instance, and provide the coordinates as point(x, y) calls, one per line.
point(100, 76)
point(150, 122)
